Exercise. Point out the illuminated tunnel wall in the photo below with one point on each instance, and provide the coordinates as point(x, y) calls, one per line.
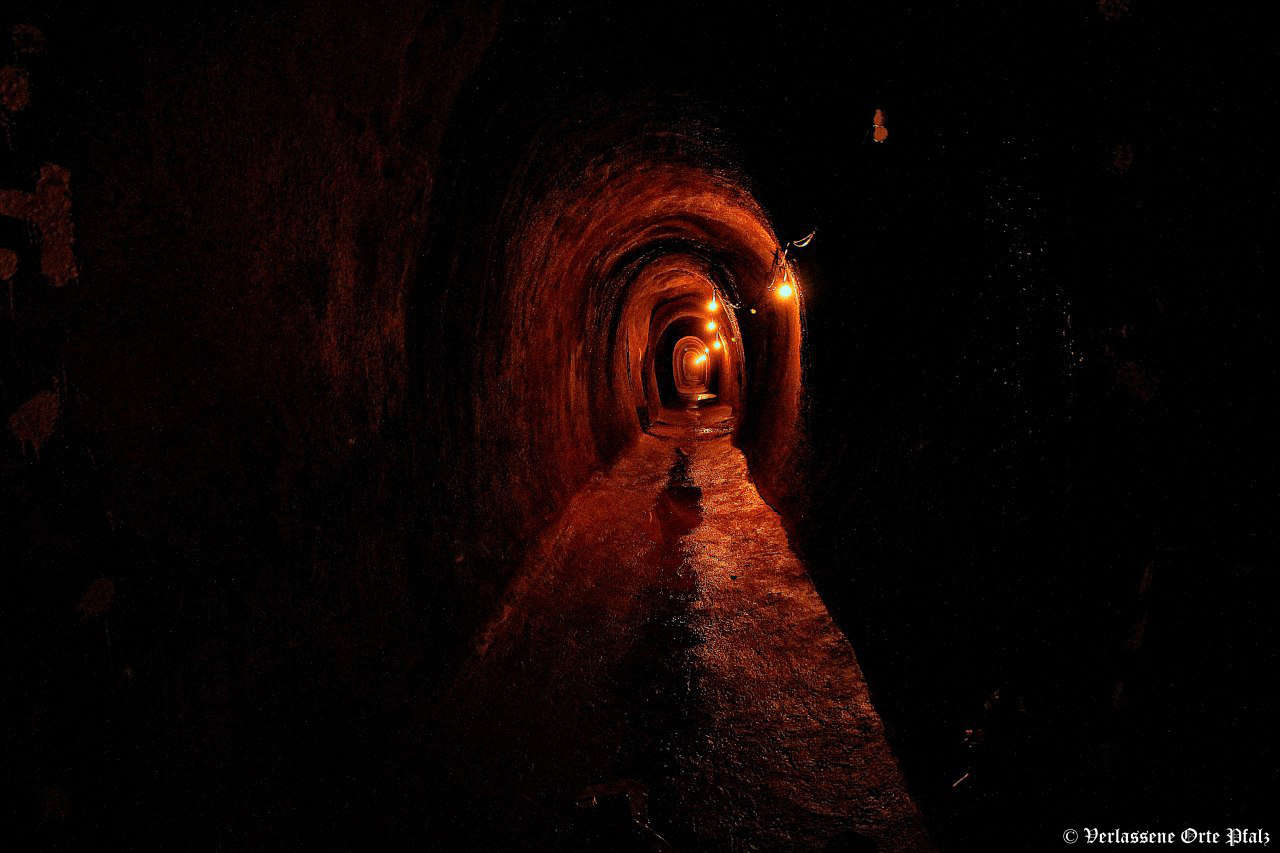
point(686, 365)
point(609, 235)
point(689, 315)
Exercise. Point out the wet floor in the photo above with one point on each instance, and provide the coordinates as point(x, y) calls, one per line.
point(663, 676)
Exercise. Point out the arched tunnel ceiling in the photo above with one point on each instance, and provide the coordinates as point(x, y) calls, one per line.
point(691, 366)
point(607, 233)
point(688, 315)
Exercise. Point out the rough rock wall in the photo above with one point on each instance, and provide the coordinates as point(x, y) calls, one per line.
point(222, 513)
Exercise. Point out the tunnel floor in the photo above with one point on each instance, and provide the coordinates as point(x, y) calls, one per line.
point(694, 421)
point(665, 676)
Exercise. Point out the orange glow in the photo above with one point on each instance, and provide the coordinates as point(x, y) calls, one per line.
point(785, 290)
point(711, 327)
point(711, 306)
point(700, 359)
point(716, 345)
point(878, 131)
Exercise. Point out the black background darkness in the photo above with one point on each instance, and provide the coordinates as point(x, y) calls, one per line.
point(1039, 370)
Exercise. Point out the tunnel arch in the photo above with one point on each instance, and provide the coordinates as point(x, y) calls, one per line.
point(608, 230)
point(690, 367)
point(686, 373)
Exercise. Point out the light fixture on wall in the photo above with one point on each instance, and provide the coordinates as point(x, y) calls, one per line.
point(785, 287)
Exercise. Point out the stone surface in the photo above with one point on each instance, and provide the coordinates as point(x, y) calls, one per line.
point(664, 638)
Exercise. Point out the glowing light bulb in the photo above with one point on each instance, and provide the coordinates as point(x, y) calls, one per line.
point(785, 290)
point(711, 306)
point(711, 326)
point(716, 345)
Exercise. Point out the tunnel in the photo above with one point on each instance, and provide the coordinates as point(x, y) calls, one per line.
point(626, 236)
point(636, 406)
point(691, 372)
point(634, 426)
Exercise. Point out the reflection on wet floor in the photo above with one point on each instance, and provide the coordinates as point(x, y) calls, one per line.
point(664, 676)
point(696, 421)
